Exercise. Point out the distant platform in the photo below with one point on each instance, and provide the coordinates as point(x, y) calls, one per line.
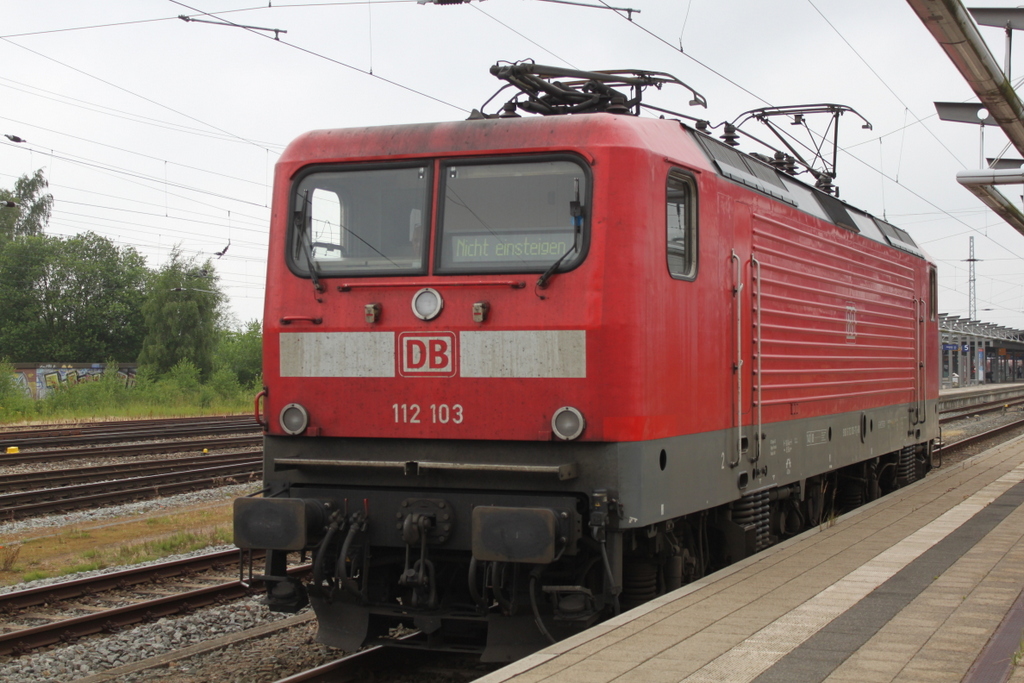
point(912, 587)
point(965, 397)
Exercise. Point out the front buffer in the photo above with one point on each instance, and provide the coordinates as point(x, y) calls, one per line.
point(503, 573)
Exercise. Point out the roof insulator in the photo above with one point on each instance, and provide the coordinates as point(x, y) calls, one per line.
point(824, 183)
point(617, 105)
point(730, 135)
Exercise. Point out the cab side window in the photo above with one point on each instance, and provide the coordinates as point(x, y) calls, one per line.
point(681, 222)
point(933, 294)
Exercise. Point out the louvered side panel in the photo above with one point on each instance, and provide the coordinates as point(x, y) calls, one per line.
point(834, 324)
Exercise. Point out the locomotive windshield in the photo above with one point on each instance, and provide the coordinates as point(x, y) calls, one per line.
point(520, 216)
point(515, 216)
point(362, 221)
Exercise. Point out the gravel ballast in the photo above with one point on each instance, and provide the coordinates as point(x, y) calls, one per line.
point(143, 507)
point(94, 655)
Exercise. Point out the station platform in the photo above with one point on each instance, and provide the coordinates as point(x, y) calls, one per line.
point(922, 585)
point(965, 397)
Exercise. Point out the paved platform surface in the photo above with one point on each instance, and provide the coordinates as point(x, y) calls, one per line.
point(911, 587)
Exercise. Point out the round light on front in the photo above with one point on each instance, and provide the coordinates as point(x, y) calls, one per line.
point(427, 304)
point(567, 423)
point(294, 419)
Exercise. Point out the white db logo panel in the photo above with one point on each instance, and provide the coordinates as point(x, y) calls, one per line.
point(427, 355)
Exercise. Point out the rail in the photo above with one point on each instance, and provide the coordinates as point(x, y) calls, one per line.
point(23, 640)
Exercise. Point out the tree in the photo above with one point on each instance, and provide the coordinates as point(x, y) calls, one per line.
point(241, 352)
point(71, 300)
point(32, 210)
point(92, 304)
point(181, 312)
point(22, 266)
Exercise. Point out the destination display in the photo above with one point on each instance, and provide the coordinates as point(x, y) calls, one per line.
point(508, 247)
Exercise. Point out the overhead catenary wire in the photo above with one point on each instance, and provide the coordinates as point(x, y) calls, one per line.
point(131, 92)
point(883, 82)
point(253, 281)
point(903, 130)
point(686, 54)
point(164, 239)
point(329, 59)
point(523, 36)
point(190, 221)
point(227, 176)
point(133, 174)
point(71, 217)
point(846, 150)
point(843, 149)
point(276, 6)
point(124, 115)
point(259, 223)
point(86, 28)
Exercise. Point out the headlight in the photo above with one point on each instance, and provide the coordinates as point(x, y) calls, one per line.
point(294, 419)
point(427, 304)
point(567, 423)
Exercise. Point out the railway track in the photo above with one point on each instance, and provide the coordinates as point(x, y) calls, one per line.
point(373, 664)
point(350, 668)
point(22, 504)
point(62, 454)
point(69, 429)
point(128, 432)
point(980, 438)
point(364, 667)
point(29, 494)
point(59, 630)
point(31, 481)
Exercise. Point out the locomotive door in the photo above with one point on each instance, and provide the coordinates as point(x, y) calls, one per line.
point(737, 216)
point(924, 307)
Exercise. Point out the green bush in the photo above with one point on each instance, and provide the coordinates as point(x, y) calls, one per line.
point(224, 383)
point(185, 388)
point(15, 404)
point(181, 383)
point(241, 351)
point(104, 395)
point(177, 392)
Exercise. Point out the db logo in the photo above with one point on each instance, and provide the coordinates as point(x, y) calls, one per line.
point(427, 355)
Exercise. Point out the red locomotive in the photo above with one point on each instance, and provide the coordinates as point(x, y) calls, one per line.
point(524, 372)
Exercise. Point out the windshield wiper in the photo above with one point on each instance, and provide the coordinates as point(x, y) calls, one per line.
point(301, 226)
point(576, 211)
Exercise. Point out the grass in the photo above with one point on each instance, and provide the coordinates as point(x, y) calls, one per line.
point(112, 543)
point(50, 415)
point(179, 542)
point(178, 393)
point(135, 553)
point(86, 567)
point(1018, 656)
point(8, 556)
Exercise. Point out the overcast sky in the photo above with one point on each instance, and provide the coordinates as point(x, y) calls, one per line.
point(157, 132)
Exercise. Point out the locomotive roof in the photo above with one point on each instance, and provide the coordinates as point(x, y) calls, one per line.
point(581, 132)
point(484, 136)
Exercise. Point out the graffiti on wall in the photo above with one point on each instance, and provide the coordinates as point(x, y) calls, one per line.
point(39, 381)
